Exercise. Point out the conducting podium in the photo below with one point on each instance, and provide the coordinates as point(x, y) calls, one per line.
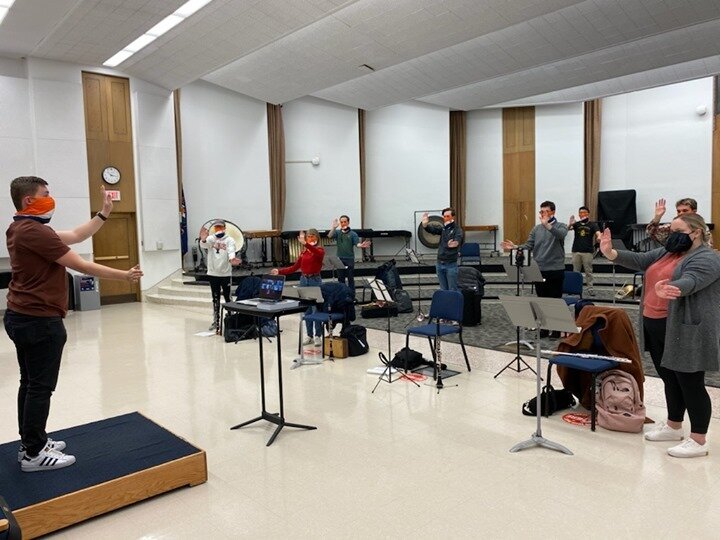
point(542, 314)
point(270, 311)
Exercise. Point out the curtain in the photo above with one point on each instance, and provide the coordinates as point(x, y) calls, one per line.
point(361, 133)
point(276, 151)
point(593, 120)
point(458, 162)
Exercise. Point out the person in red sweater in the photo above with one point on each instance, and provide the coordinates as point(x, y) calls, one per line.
point(309, 263)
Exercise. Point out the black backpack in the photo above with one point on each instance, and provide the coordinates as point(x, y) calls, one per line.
point(356, 336)
point(403, 301)
point(238, 326)
point(389, 275)
point(470, 279)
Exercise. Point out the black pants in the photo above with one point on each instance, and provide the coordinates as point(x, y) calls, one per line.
point(552, 286)
point(39, 343)
point(683, 391)
point(218, 283)
point(349, 262)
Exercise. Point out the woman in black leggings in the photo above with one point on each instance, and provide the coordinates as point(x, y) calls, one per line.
point(680, 315)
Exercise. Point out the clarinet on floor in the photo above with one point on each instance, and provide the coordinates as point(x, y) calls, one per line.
point(438, 364)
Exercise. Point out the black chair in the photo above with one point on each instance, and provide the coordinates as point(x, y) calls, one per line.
point(446, 305)
point(338, 307)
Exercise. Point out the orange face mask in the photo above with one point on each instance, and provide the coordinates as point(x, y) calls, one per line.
point(41, 208)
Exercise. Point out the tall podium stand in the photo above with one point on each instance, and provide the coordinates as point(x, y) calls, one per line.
point(546, 314)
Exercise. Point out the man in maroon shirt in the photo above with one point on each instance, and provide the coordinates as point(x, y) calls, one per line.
point(37, 304)
point(309, 263)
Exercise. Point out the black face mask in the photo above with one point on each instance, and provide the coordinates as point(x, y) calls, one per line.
point(219, 234)
point(678, 242)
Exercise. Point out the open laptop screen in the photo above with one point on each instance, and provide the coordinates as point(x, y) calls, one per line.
point(271, 287)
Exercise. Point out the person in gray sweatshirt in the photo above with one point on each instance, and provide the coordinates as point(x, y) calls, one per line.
point(547, 244)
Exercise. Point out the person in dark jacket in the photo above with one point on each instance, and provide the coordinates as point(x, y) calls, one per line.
point(451, 237)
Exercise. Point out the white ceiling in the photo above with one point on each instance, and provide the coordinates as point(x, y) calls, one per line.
point(462, 54)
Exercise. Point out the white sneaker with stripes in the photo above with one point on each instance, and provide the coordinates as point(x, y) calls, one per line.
point(46, 460)
point(54, 445)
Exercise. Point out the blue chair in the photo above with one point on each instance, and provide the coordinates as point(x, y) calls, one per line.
point(338, 307)
point(470, 253)
point(445, 305)
point(573, 286)
point(588, 365)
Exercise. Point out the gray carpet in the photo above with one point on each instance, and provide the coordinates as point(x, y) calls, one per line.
point(496, 330)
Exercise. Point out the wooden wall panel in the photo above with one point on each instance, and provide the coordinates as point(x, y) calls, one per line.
point(95, 107)
point(518, 172)
point(120, 127)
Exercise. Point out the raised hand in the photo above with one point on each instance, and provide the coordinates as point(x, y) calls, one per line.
point(666, 291)
point(507, 245)
point(544, 218)
point(107, 202)
point(235, 261)
point(274, 272)
point(425, 218)
point(335, 223)
point(660, 209)
point(606, 244)
point(134, 274)
point(301, 238)
point(204, 233)
point(571, 221)
point(365, 244)
point(453, 243)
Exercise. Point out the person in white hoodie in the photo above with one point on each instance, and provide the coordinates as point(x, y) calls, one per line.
point(220, 260)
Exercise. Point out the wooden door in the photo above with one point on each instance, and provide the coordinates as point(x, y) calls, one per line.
point(518, 173)
point(115, 245)
point(108, 132)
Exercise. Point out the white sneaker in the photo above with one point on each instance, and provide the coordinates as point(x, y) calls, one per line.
point(53, 445)
point(318, 341)
point(213, 326)
point(307, 341)
point(688, 448)
point(663, 432)
point(46, 460)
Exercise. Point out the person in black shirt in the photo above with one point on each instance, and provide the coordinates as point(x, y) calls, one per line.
point(451, 237)
point(587, 234)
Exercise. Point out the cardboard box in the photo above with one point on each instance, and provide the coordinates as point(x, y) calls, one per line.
point(339, 347)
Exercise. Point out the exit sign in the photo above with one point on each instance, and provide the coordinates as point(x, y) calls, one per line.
point(114, 194)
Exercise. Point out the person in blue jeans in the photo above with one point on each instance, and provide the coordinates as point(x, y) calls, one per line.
point(346, 240)
point(451, 238)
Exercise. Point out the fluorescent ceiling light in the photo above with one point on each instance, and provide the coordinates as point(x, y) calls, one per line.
point(169, 22)
point(118, 58)
point(140, 42)
point(3, 12)
point(166, 24)
point(9, 3)
point(190, 7)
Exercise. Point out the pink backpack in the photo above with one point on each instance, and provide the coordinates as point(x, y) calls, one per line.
point(618, 403)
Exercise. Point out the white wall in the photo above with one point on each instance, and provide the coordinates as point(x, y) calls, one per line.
point(653, 141)
point(407, 165)
point(225, 157)
point(484, 172)
point(317, 194)
point(560, 160)
point(42, 132)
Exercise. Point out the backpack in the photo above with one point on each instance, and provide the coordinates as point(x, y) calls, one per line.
point(356, 336)
point(551, 401)
point(408, 358)
point(389, 275)
point(403, 301)
point(470, 279)
point(238, 326)
point(618, 403)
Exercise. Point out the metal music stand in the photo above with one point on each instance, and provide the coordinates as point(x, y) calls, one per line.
point(383, 295)
point(532, 274)
point(413, 256)
point(547, 314)
point(333, 263)
point(309, 295)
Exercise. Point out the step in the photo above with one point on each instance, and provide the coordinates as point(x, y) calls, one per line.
point(186, 291)
point(190, 301)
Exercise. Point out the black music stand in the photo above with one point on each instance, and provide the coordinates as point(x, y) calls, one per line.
point(523, 273)
point(382, 295)
point(546, 314)
point(274, 418)
point(413, 256)
point(334, 264)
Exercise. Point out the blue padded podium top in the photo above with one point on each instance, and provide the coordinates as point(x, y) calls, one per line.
point(105, 450)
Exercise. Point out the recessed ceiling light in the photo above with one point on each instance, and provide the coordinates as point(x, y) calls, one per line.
point(169, 22)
